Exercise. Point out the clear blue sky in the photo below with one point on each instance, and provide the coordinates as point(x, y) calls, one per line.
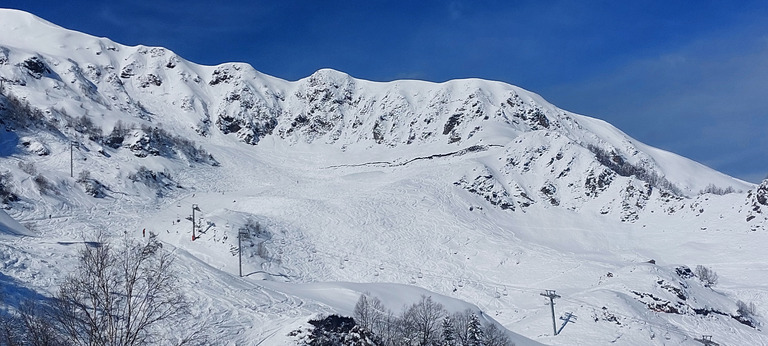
point(686, 76)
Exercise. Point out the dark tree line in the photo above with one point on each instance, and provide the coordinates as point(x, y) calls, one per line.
point(425, 323)
point(618, 164)
point(715, 190)
point(18, 113)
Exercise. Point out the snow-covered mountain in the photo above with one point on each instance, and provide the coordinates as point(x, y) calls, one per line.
point(480, 192)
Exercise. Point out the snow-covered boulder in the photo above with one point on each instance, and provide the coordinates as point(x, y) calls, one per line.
point(33, 145)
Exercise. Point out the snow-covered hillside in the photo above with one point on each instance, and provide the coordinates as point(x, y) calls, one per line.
point(478, 193)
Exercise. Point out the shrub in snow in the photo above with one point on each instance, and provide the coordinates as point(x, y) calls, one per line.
point(334, 330)
point(117, 136)
point(83, 124)
point(257, 236)
point(152, 179)
point(745, 309)
point(142, 146)
point(746, 313)
point(44, 185)
point(28, 167)
point(706, 275)
point(6, 192)
point(92, 186)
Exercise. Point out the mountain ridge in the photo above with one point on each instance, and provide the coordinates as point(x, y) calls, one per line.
point(318, 107)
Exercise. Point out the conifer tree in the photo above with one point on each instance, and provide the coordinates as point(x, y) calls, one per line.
point(449, 334)
point(474, 332)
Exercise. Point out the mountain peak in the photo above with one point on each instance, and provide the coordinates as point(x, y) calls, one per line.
point(17, 18)
point(329, 73)
point(25, 30)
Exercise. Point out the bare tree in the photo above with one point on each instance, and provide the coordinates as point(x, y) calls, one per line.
point(387, 329)
point(120, 296)
point(29, 324)
point(423, 319)
point(8, 328)
point(746, 314)
point(461, 324)
point(369, 311)
point(493, 336)
point(363, 314)
point(38, 329)
point(706, 275)
point(425, 323)
point(744, 309)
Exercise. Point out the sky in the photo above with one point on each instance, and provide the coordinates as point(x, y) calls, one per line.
point(689, 77)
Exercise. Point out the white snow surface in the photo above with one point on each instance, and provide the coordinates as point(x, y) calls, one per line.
point(10, 226)
point(477, 193)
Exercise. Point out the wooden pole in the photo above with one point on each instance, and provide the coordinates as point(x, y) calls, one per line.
point(240, 252)
point(194, 206)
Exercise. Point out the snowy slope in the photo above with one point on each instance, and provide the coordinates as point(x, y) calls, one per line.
point(479, 193)
point(10, 226)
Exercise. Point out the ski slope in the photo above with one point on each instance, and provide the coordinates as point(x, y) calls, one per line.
point(338, 232)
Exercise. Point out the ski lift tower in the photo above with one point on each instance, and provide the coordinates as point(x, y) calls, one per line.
point(72, 145)
point(241, 234)
point(194, 207)
point(552, 295)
